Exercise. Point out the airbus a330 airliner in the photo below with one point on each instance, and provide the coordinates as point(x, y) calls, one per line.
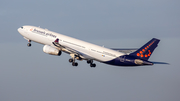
point(55, 44)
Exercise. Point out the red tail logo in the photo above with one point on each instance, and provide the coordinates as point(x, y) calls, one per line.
point(143, 50)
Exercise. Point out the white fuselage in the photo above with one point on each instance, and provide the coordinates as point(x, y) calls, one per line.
point(87, 50)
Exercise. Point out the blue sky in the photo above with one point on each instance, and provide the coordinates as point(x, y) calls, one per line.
point(86, 19)
point(28, 74)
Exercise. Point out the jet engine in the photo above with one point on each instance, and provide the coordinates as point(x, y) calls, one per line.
point(51, 50)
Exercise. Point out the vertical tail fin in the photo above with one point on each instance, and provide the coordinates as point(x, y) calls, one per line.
point(145, 51)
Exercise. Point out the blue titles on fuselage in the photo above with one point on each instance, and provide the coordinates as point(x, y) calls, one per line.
point(44, 33)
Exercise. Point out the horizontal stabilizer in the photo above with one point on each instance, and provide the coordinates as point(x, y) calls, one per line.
point(127, 51)
point(160, 63)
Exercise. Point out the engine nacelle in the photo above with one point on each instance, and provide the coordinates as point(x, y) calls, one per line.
point(51, 50)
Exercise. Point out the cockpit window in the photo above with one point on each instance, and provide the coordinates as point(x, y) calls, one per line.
point(22, 27)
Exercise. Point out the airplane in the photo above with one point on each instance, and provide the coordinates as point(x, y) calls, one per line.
point(55, 43)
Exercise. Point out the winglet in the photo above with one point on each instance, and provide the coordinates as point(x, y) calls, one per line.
point(56, 43)
point(145, 51)
point(57, 40)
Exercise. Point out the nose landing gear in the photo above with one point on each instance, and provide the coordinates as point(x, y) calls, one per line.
point(29, 44)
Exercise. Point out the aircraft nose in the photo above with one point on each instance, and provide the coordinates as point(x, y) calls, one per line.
point(20, 30)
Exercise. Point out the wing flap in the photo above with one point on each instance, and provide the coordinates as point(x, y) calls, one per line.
point(67, 49)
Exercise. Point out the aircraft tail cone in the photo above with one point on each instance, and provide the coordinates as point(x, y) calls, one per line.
point(147, 63)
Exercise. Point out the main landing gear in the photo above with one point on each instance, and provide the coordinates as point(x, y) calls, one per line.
point(29, 44)
point(91, 63)
point(72, 60)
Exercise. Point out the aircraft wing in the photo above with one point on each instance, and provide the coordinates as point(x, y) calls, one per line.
point(127, 51)
point(67, 49)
